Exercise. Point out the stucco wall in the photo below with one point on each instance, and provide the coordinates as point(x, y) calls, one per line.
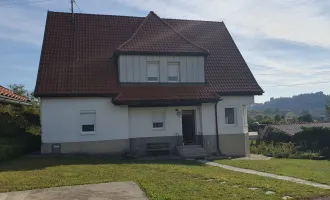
point(237, 102)
point(60, 119)
point(140, 122)
point(134, 68)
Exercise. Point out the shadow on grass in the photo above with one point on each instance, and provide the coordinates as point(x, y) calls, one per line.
point(38, 163)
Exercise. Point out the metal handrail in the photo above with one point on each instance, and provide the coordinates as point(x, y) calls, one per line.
point(178, 139)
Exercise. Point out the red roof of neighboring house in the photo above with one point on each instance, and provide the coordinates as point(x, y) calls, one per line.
point(10, 94)
point(292, 129)
point(79, 59)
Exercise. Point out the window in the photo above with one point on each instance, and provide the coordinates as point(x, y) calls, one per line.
point(88, 122)
point(173, 71)
point(230, 115)
point(153, 71)
point(158, 119)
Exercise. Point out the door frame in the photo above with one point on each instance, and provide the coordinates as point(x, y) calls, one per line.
point(195, 123)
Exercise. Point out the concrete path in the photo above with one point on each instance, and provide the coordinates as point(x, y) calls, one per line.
point(104, 191)
point(249, 171)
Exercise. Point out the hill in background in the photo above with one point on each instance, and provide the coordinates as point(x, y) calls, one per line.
point(311, 102)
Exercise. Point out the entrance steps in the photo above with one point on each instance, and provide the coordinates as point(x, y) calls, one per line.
point(192, 151)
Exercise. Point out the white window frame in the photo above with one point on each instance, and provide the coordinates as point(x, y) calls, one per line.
point(81, 123)
point(154, 121)
point(235, 115)
point(158, 69)
point(168, 65)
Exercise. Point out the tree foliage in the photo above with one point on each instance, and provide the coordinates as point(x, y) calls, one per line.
point(305, 118)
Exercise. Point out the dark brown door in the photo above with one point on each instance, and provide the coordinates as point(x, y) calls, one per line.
point(188, 126)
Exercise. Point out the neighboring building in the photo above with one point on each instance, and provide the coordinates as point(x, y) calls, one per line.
point(7, 96)
point(292, 129)
point(116, 84)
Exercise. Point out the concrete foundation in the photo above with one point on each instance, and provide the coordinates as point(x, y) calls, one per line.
point(92, 147)
point(234, 144)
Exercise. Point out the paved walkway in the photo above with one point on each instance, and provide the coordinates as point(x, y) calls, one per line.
point(116, 190)
point(249, 171)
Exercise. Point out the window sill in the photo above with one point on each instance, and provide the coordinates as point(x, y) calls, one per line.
point(158, 129)
point(88, 133)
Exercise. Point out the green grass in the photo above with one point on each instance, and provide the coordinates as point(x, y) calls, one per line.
point(313, 170)
point(171, 179)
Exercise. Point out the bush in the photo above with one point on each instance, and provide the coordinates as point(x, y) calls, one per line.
point(276, 136)
point(9, 151)
point(304, 155)
point(279, 150)
point(313, 139)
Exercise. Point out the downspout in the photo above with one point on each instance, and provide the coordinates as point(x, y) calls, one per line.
point(216, 125)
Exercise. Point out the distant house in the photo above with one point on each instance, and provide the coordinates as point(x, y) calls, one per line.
point(7, 96)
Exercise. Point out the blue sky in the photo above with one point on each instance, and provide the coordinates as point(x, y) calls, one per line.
point(285, 42)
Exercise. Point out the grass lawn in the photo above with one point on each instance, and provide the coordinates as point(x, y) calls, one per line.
point(313, 170)
point(171, 179)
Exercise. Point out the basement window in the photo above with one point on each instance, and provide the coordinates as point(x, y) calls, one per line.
point(230, 116)
point(158, 119)
point(88, 120)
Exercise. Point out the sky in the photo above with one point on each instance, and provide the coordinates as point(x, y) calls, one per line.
point(286, 43)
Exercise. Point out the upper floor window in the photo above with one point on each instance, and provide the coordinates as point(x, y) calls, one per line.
point(153, 71)
point(173, 73)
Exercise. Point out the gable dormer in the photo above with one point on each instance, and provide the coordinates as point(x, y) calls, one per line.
point(158, 53)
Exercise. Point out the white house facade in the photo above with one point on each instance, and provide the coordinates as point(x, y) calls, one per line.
point(122, 129)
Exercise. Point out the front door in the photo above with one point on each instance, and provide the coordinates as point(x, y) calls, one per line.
point(188, 126)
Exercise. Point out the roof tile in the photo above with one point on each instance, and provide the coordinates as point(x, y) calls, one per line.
point(78, 58)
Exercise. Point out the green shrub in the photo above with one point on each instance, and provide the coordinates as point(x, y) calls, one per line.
point(304, 155)
point(279, 150)
point(9, 151)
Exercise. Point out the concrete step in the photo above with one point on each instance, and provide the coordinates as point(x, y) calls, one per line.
point(190, 146)
point(192, 151)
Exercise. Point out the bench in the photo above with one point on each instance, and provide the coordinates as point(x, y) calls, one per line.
point(157, 147)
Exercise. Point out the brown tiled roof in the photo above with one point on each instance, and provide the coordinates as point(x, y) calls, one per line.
point(78, 57)
point(11, 95)
point(292, 129)
point(156, 36)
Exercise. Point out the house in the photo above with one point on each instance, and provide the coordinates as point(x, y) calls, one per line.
point(116, 84)
point(7, 96)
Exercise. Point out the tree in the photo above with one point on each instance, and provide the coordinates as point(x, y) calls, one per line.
point(277, 118)
point(20, 90)
point(305, 118)
point(268, 111)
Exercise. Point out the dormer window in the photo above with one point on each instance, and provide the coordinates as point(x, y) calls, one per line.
point(173, 71)
point(153, 71)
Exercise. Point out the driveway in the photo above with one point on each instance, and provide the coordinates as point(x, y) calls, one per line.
point(113, 191)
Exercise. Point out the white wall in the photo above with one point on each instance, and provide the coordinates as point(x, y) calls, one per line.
point(141, 122)
point(133, 68)
point(208, 119)
point(238, 102)
point(60, 119)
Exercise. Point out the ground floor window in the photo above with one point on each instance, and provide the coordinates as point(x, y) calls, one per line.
point(158, 119)
point(88, 120)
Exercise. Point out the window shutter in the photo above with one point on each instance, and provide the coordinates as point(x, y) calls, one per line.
point(153, 71)
point(88, 118)
point(158, 116)
point(173, 71)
